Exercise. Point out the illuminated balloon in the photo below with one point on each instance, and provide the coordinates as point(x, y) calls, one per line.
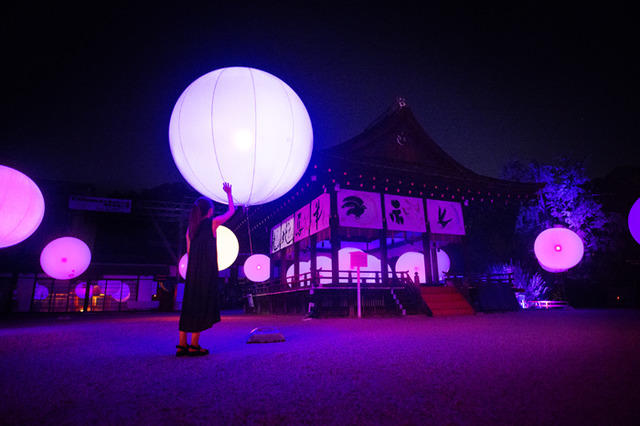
point(304, 268)
point(444, 263)
point(123, 293)
point(40, 292)
point(558, 249)
point(634, 220)
point(21, 207)
point(323, 265)
point(257, 268)
point(242, 126)
point(182, 266)
point(65, 258)
point(228, 247)
point(412, 261)
point(81, 290)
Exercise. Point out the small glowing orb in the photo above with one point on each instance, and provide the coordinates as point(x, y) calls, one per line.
point(257, 268)
point(40, 292)
point(65, 258)
point(243, 126)
point(444, 263)
point(634, 220)
point(81, 290)
point(558, 249)
point(21, 207)
point(182, 266)
point(228, 247)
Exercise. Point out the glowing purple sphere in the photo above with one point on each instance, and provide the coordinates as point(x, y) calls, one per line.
point(65, 258)
point(558, 249)
point(257, 268)
point(40, 292)
point(81, 290)
point(243, 126)
point(21, 207)
point(634, 220)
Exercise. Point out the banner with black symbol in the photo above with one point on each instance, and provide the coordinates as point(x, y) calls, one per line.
point(302, 223)
point(359, 209)
point(445, 217)
point(319, 214)
point(404, 213)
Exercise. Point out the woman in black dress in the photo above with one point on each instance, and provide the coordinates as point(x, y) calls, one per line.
point(200, 306)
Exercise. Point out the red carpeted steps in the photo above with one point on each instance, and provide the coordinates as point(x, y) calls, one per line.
point(445, 301)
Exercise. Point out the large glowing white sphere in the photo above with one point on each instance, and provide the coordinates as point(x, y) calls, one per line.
point(323, 266)
point(21, 206)
point(444, 263)
point(65, 258)
point(257, 268)
point(228, 247)
point(243, 126)
point(304, 268)
point(182, 266)
point(558, 249)
point(412, 262)
point(634, 220)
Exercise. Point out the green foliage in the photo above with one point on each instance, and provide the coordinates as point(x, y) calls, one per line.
point(565, 200)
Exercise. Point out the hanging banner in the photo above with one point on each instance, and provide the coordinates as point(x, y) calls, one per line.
point(445, 217)
point(301, 225)
point(286, 232)
point(276, 238)
point(359, 209)
point(404, 213)
point(319, 214)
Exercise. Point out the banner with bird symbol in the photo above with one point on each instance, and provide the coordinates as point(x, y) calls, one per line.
point(302, 223)
point(320, 211)
point(404, 213)
point(445, 217)
point(359, 209)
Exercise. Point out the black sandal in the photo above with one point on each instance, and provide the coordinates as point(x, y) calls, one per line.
point(182, 350)
point(197, 351)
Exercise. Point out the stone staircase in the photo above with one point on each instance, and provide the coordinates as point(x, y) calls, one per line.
point(445, 301)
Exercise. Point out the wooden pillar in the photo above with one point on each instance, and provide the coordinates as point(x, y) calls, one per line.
point(384, 262)
point(313, 252)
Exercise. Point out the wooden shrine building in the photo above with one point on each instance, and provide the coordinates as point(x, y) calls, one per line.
point(390, 192)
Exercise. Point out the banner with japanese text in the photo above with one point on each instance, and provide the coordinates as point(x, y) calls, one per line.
point(319, 214)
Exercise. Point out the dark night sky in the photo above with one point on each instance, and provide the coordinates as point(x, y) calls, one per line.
point(90, 87)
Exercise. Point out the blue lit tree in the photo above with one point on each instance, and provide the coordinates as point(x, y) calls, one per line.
point(565, 200)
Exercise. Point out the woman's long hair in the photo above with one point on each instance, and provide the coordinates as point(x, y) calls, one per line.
point(198, 212)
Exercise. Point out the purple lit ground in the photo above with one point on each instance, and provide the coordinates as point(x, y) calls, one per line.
point(529, 367)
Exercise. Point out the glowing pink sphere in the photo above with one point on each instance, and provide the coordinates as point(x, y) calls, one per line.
point(182, 266)
point(257, 268)
point(634, 220)
point(65, 258)
point(558, 249)
point(243, 126)
point(21, 207)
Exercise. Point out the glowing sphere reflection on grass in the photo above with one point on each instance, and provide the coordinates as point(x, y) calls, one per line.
point(21, 206)
point(558, 249)
point(65, 258)
point(634, 220)
point(243, 126)
point(257, 268)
